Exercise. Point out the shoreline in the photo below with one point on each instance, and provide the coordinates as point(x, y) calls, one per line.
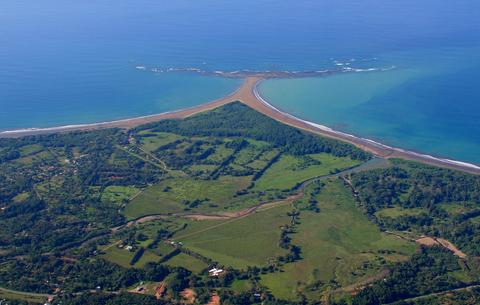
point(249, 95)
point(395, 151)
point(126, 123)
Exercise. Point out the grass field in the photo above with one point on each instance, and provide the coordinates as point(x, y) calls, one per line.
point(290, 170)
point(239, 243)
point(118, 256)
point(161, 138)
point(456, 208)
point(40, 156)
point(249, 154)
point(118, 194)
point(30, 149)
point(240, 286)
point(122, 257)
point(339, 246)
point(21, 197)
point(262, 160)
point(171, 195)
point(220, 154)
point(30, 298)
point(186, 261)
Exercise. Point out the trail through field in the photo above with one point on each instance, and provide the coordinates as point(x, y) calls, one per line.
point(140, 157)
point(155, 158)
point(362, 283)
point(432, 241)
point(278, 203)
point(26, 294)
point(374, 163)
point(136, 195)
point(112, 245)
point(435, 241)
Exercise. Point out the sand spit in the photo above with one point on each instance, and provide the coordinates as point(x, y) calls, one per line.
point(249, 95)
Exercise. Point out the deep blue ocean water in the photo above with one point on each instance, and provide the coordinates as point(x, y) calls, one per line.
point(70, 62)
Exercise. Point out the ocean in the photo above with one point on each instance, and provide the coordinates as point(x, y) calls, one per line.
point(72, 62)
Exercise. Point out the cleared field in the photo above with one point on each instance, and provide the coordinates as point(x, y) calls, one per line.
point(30, 149)
point(118, 256)
point(263, 159)
point(241, 242)
point(31, 298)
point(240, 286)
point(340, 246)
point(251, 152)
point(152, 143)
point(40, 156)
point(290, 170)
point(21, 197)
point(201, 169)
point(118, 194)
point(220, 154)
point(176, 194)
point(186, 261)
point(456, 208)
point(122, 257)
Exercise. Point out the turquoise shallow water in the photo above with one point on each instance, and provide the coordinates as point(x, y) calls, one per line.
point(70, 62)
point(429, 104)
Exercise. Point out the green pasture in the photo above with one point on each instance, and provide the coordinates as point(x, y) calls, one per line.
point(171, 195)
point(340, 246)
point(118, 194)
point(122, 257)
point(188, 262)
point(31, 149)
point(241, 242)
point(152, 143)
point(290, 170)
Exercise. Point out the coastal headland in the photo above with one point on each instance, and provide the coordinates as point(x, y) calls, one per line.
point(249, 95)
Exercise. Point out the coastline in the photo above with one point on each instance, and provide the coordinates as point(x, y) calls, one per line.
point(375, 147)
point(122, 123)
point(249, 95)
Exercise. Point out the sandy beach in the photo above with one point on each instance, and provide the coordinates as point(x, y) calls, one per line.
point(249, 95)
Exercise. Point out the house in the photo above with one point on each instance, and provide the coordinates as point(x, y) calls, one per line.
point(215, 272)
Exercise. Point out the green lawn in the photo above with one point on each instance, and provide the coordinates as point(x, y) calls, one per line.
point(239, 243)
point(290, 170)
point(339, 244)
point(170, 195)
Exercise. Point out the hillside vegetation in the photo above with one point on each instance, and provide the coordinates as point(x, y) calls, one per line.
point(290, 218)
